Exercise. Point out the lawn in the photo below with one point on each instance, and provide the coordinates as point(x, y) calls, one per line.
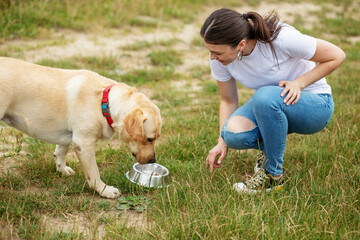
point(155, 46)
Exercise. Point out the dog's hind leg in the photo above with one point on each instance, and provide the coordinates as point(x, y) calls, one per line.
point(5, 101)
point(60, 154)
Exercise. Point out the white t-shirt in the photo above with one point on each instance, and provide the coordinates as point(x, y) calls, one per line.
point(293, 51)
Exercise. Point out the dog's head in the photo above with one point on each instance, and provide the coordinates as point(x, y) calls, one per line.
point(141, 128)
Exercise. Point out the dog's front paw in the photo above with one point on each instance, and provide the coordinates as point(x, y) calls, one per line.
point(110, 192)
point(67, 171)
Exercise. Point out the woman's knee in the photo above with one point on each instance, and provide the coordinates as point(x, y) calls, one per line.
point(238, 124)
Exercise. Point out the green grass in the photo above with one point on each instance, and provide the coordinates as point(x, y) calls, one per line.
point(28, 19)
point(137, 46)
point(321, 196)
point(167, 58)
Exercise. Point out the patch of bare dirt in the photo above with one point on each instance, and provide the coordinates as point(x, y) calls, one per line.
point(8, 164)
point(89, 226)
point(287, 11)
point(8, 232)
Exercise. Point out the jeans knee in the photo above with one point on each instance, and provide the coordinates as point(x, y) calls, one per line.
point(241, 140)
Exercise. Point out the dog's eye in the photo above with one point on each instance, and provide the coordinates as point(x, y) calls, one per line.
point(150, 139)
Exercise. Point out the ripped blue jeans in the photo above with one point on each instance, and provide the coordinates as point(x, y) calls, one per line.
point(273, 120)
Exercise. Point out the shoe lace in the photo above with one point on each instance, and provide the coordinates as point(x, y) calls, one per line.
point(257, 180)
point(261, 159)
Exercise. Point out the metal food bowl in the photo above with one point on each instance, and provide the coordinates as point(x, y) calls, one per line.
point(149, 175)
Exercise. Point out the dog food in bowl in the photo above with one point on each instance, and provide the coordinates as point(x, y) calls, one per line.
point(149, 175)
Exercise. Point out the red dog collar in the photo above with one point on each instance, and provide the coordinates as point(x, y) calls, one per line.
point(105, 105)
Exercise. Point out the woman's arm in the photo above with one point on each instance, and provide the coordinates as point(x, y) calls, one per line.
point(228, 100)
point(328, 56)
point(228, 104)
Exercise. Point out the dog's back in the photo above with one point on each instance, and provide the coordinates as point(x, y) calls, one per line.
point(36, 99)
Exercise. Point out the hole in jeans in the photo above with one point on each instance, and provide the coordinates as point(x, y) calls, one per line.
point(237, 124)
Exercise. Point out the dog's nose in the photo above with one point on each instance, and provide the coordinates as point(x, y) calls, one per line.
point(152, 160)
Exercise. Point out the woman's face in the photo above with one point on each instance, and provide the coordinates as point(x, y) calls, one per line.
point(225, 54)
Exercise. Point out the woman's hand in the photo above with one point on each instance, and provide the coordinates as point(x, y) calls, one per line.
point(219, 150)
point(293, 90)
point(328, 56)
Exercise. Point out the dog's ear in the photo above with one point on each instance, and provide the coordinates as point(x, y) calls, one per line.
point(133, 122)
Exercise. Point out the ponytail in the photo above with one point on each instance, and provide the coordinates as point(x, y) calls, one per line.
point(265, 29)
point(228, 27)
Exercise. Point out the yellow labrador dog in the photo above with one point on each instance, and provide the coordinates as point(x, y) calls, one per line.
point(77, 107)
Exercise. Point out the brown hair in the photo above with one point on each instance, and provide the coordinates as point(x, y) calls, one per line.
point(226, 26)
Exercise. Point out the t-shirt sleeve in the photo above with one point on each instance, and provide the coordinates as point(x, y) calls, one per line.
point(296, 44)
point(219, 71)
